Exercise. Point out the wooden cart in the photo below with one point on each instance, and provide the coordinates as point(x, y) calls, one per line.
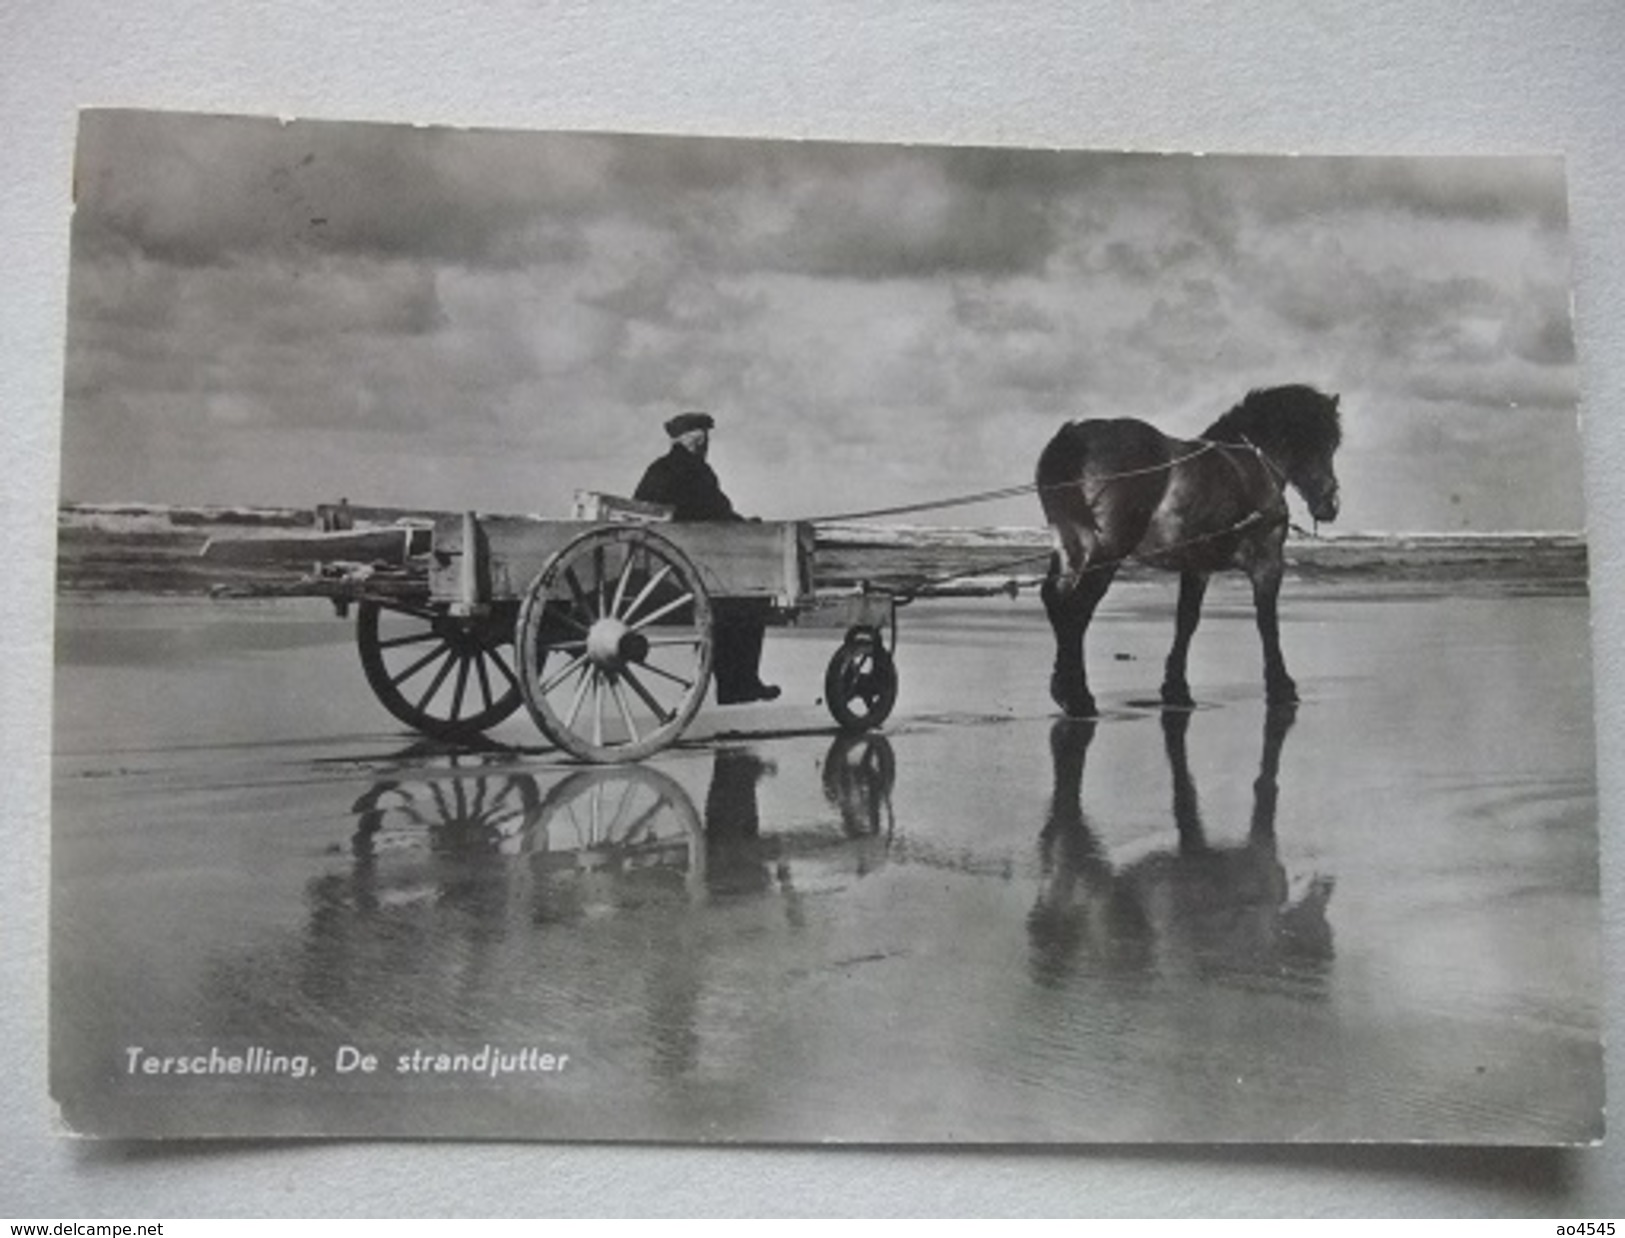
point(604, 631)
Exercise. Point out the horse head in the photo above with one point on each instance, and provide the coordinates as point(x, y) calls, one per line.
point(1316, 480)
point(1314, 475)
point(1298, 430)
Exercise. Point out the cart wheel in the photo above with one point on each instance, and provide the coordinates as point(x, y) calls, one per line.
point(615, 645)
point(859, 774)
point(448, 677)
point(620, 811)
point(478, 813)
point(860, 686)
point(606, 838)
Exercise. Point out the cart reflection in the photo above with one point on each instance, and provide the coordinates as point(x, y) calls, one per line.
point(606, 837)
point(609, 903)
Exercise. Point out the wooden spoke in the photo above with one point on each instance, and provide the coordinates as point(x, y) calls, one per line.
point(655, 707)
point(439, 651)
point(579, 594)
point(649, 587)
point(462, 686)
point(642, 822)
point(496, 659)
point(587, 676)
point(628, 817)
point(396, 642)
point(626, 713)
point(555, 680)
point(566, 617)
point(674, 604)
point(598, 710)
point(621, 583)
point(685, 684)
point(439, 678)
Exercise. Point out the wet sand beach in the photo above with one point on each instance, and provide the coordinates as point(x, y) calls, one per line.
point(1374, 917)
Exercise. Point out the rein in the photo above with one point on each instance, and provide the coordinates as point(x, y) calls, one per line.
point(1279, 476)
point(903, 597)
point(1009, 492)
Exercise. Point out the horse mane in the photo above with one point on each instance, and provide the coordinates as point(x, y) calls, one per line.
point(1296, 418)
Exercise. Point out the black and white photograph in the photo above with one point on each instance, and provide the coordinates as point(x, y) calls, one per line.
point(585, 636)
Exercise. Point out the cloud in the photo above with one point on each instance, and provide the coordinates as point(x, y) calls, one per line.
point(911, 319)
point(202, 190)
point(1477, 189)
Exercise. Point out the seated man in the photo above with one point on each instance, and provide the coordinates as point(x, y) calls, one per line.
point(684, 482)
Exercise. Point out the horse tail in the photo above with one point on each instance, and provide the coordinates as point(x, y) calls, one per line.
point(1059, 478)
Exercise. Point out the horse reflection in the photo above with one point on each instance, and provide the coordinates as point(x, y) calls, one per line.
point(1221, 911)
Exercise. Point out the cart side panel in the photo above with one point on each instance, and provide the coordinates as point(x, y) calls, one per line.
point(766, 560)
point(845, 611)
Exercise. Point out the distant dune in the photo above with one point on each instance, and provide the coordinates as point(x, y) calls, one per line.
point(155, 548)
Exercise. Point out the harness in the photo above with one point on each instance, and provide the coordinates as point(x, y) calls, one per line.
point(1253, 519)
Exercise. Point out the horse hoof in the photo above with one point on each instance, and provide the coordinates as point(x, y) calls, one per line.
point(1077, 707)
point(1177, 696)
point(1074, 701)
point(1282, 694)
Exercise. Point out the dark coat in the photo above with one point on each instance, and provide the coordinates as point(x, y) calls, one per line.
point(685, 483)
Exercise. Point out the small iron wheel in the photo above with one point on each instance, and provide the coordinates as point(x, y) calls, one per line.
point(860, 686)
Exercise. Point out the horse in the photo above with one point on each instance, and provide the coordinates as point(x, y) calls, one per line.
point(1119, 489)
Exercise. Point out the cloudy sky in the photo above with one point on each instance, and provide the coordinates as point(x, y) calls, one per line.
point(275, 313)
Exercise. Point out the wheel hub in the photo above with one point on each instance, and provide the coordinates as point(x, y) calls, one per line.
point(611, 645)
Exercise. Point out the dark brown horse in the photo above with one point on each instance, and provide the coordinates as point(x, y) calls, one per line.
point(1119, 490)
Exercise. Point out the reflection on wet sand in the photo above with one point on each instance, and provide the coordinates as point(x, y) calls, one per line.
point(608, 823)
point(457, 878)
point(1216, 912)
point(859, 774)
point(1067, 934)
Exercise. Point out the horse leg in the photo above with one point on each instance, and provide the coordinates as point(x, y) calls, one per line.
point(1070, 606)
point(1187, 807)
point(1279, 689)
point(1175, 691)
point(1277, 722)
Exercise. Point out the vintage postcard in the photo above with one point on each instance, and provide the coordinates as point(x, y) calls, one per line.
point(579, 636)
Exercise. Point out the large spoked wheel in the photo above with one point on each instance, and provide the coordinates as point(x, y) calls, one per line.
point(449, 677)
point(615, 645)
point(860, 686)
point(622, 811)
point(482, 812)
point(611, 837)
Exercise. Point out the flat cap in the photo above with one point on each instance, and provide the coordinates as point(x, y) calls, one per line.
point(684, 422)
